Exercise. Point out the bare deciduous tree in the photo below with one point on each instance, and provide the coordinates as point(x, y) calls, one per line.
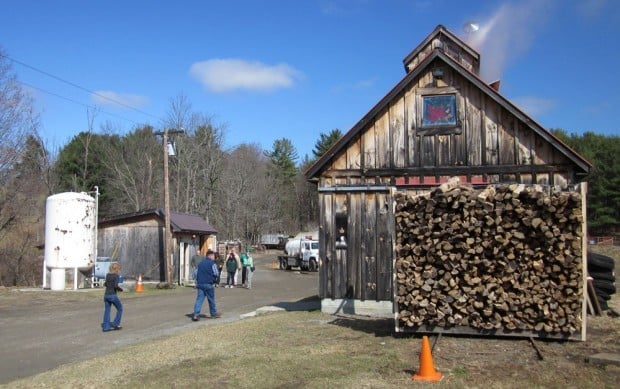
point(195, 170)
point(133, 169)
point(17, 117)
point(244, 198)
point(22, 189)
point(23, 207)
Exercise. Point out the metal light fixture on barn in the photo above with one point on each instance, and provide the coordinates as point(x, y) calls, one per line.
point(437, 75)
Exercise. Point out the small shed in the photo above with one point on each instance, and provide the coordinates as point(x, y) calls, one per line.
point(440, 121)
point(137, 241)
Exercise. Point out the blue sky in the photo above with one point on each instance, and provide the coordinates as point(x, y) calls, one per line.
point(271, 69)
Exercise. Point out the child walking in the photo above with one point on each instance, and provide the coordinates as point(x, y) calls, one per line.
point(111, 298)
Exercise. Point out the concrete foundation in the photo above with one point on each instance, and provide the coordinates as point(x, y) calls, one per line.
point(358, 307)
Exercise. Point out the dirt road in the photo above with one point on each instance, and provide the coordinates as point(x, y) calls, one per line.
point(43, 329)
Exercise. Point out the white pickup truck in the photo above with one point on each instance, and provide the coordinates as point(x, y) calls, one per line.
point(301, 253)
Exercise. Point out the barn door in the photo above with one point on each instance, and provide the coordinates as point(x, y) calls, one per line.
point(187, 249)
point(356, 236)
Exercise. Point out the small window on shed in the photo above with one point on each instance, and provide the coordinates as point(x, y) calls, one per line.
point(341, 230)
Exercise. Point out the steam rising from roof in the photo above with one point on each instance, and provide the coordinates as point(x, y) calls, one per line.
point(506, 34)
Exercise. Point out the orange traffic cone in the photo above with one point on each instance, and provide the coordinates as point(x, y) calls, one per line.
point(427, 370)
point(139, 287)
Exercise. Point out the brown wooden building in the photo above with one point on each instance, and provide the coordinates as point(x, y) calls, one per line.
point(441, 120)
point(136, 240)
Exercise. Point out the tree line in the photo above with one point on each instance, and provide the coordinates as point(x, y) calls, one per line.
point(603, 198)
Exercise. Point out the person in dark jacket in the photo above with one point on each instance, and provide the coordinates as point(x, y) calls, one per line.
point(219, 261)
point(231, 269)
point(111, 298)
point(206, 277)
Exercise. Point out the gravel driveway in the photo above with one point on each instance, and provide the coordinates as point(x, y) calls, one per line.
point(44, 329)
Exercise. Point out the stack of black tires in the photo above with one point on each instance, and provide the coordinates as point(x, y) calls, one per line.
point(601, 269)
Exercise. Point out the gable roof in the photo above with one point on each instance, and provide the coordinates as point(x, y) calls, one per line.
point(188, 222)
point(439, 31)
point(438, 54)
point(179, 222)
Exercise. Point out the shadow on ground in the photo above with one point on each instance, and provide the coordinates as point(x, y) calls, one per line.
point(311, 303)
point(380, 327)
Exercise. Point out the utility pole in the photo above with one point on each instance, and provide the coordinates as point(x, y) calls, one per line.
point(168, 233)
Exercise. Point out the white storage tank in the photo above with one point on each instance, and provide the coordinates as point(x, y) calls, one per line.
point(70, 235)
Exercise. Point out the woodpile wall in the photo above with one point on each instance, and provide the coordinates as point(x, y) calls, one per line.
point(505, 259)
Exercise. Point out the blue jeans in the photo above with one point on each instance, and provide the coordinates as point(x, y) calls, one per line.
point(109, 300)
point(230, 280)
point(208, 291)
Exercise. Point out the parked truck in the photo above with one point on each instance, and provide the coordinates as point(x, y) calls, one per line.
point(302, 253)
point(273, 241)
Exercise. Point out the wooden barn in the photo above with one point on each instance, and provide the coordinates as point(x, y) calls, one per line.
point(136, 240)
point(440, 121)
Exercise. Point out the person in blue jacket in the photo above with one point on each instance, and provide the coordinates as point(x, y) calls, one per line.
point(206, 277)
point(231, 268)
point(111, 298)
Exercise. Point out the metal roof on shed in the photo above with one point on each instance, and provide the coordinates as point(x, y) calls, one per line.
point(179, 222)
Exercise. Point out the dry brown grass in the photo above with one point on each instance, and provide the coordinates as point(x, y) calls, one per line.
point(315, 350)
point(311, 349)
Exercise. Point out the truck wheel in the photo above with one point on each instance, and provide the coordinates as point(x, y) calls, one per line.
point(313, 265)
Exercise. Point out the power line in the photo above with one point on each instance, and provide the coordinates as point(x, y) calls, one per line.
point(76, 86)
point(77, 102)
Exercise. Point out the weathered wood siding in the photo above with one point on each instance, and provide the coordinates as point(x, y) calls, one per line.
point(138, 247)
point(490, 141)
point(363, 270)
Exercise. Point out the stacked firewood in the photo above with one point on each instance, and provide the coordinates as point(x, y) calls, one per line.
point(506, 258)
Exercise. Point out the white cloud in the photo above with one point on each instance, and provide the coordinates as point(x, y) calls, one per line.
point(228, 74)
point(115, 99)
point(534, 106)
